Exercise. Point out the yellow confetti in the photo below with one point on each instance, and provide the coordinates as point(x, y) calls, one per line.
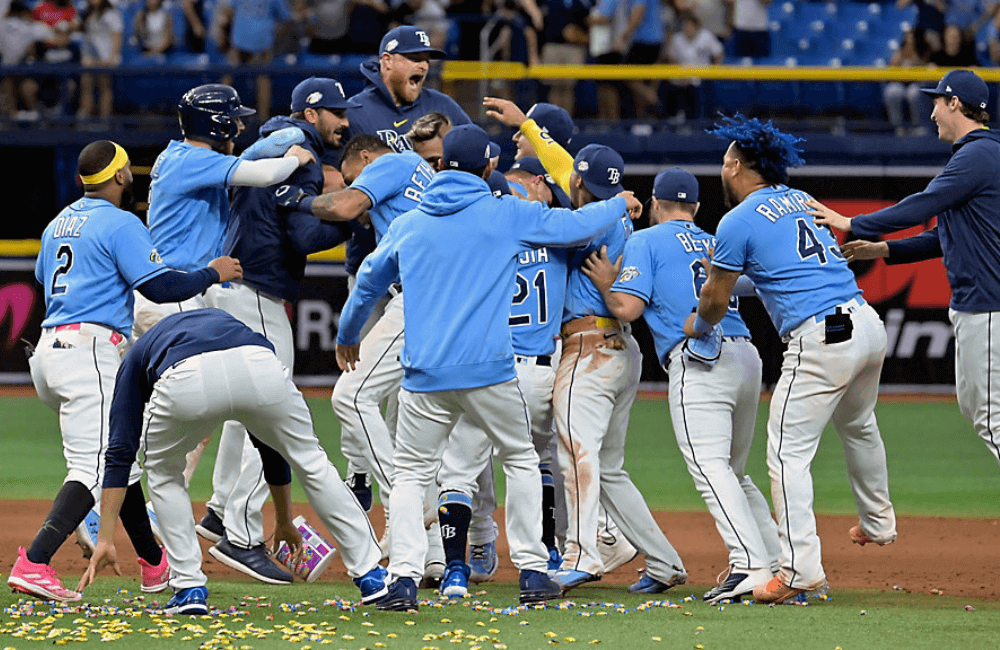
point(594, 641)
point(656, 638)
point(699, 647)
point(700, 628)
point(551, 634)
point(494, 630)
point(446, 620)
point(569, 639)
point(688, 614)
point(409, 623)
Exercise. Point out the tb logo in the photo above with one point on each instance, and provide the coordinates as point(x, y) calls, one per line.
point(614, 175)
point(424, 40)
point(448, 532)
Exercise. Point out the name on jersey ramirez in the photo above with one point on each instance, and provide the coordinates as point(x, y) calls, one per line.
point(537, 256)
point(69, 226)
point(791, 203)
point(422, 175)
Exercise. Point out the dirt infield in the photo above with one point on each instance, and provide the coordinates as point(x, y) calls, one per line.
point(956, 556)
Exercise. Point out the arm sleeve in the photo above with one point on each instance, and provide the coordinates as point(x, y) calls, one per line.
point(961, 178)
point(177, 286)
point(730, 245)
point(277, 471)
point(309, 234)
point(261, 173)
point(127, 406)
point(636, 276)
point(554, 158)
point(379, 270)
point(561, 228)
point(925, 246)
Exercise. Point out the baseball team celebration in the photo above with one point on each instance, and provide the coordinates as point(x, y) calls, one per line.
point(648, 323)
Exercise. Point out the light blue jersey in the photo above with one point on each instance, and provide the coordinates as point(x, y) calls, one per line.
point(93, 255)
point(582, 297)
point(189, 204)
point(394, 183)
point(539, 294)
point(796, 265)
point(457, 256)
point(662, 266)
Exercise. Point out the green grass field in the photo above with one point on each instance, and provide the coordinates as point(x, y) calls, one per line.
point(937, 467)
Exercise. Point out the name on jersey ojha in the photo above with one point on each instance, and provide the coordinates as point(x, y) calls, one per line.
point(422, 175)
point(692, 244)
point(537, 256)
point(790, 204)
point(68, 226)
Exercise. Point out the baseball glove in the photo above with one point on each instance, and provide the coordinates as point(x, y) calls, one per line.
point(705, 349)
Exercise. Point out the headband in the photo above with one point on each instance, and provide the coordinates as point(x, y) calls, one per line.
point(118, 162)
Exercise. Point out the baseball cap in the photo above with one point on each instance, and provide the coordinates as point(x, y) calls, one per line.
point(676, 185)
point(317, 92)
point(964, 84)
point(553, 120)
point(407, 39)
point(534, 166)
point(498, 184)
point(601, 169)
point(467, 147)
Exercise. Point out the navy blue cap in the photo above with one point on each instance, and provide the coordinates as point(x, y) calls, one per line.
point(553, 120)
point(534, 167)
point(407, 39)
point(601, 169)
point(466, 147)
point(498, 184)
point(676, 185)
point(317, 92)
point(964, 84)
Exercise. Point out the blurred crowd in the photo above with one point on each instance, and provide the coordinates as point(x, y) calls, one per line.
point(106, 34)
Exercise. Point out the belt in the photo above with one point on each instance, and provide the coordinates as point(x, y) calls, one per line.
point(588, 323)
point(90, 328)
point(735, 339)
point(540, 360)
point(849, 307)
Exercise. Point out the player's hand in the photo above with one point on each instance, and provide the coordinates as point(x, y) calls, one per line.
point(857, 250)
point(305, 157)
point(104, 555)
point(632, 204)
point(289, 534)
point(689, 326)
point(504, 111)
point(827, 217)
point(228, 268)
point(600, 270)
point(347, 356)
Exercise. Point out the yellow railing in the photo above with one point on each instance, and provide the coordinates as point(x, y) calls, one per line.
point(30, 248)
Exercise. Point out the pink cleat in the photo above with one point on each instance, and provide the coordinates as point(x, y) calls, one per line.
point(38, 580)
point(155, 578)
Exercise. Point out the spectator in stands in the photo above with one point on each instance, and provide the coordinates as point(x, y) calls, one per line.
point(641, 40)
point(21, 40)
point(565, 36)
point(432, 17)
point(327, 22)
point(992, 36)
point(968, 15)
point(154, 29)
point(957, 51)
point(606, 31)
point(748, 27)
point(692, 45)
point(56, 90)
point(194, 30)
point(711, 14)
point(913, 52)
point(102, 47)
point(930, 18)
point(253, 30)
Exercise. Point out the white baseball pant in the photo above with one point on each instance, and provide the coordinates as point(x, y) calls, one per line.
point(977, 372)
point(819, 382)
point(250, 385)
point(239, 489)
point(74, 373)
point(596, 384)
point(714, 412)
point(425, 421)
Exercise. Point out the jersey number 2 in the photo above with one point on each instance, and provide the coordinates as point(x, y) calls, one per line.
point(523, 291)
point(65, 255)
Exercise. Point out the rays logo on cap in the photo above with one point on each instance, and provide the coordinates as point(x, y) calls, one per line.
point(424, 39)
point(391, 45)
point(614, 175)
point(582, 166)
point(947, 89)
point(314, 97)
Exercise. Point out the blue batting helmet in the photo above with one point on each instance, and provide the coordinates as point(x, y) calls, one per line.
point(208, 112)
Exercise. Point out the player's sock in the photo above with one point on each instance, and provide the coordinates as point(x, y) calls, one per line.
point(548, 506)
point(71, 505)
point(135, 519)
point(454, 514)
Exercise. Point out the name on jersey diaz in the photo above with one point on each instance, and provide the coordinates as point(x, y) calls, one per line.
point(69, 226)
point(422, 175)
point(537, 256)
point(791, 203)
point(694, 244)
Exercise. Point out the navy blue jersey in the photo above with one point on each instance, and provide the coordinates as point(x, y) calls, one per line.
point(172, 340)
point(271, 241)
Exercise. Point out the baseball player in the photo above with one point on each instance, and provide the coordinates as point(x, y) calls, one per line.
point(186, 376)
point(268, 228)
point(964, 197)
point(713, 404)
point(836, 344)
point(458, 357)
point(93, 255)
point(426, 134)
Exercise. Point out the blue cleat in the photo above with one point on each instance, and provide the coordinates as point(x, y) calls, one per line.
point(536, 587)
point(361, 486)
point(482, 562)
point(647, 584)
point(255, 562)
point(86, 532)
point(402, 596)
point(190, 601)
point(455, 583)
point(570, 579)
point(372, 585)
point(210, 527)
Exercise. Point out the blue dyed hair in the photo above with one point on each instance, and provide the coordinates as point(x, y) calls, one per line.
point(762, 145)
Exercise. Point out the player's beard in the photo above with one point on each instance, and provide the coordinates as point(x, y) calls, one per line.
point(728, 196)
point(128, 198)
